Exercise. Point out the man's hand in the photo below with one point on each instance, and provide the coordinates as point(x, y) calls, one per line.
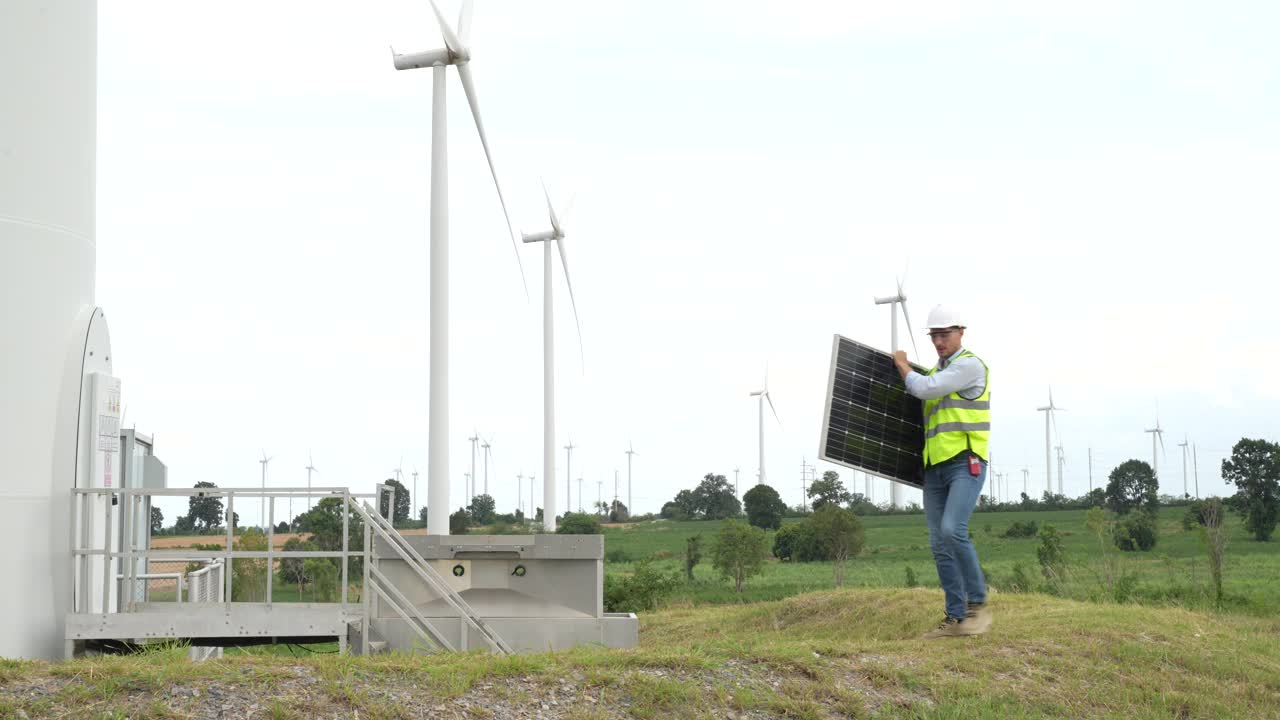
point(904, 365)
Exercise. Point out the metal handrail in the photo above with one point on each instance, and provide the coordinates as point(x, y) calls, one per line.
point(82, 549)
point(428, 574)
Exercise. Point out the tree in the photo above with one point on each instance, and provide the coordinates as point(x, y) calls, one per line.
point(324, 524)
point(292, 569)
point(685, 505)
point(1053, 561)
point(282, 527)
point(579, 524)
point(840, 533)
point(403, 502)
point(739, 552)
point(1131, 486)
point(828, 490)
point(714, 498)
point(459, 521)
point(205, 511)
point(183, 525)
point(157, 520)
point(249, 575)
point(1254, 467)
point(422, 516)
point(483, 509)
point(692, 554)
point(764, 507)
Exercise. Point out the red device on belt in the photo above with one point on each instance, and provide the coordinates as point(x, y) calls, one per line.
point(975, 465)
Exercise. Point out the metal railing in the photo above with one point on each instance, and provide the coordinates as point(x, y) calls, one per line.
point(93, 535)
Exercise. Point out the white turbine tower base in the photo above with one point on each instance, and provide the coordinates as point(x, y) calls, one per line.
point(457, 54)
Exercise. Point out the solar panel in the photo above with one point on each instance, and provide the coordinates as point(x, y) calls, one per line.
point(872, 424)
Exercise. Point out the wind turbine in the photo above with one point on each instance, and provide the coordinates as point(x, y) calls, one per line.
point(1049, 417)
point(487, 445)
point(547, 237)
point(471, 488)
point(764, 395)
point(1157, 433)
point(895, 301)
point(580, 508)
point(520, 490)
point(311, 467)
point(1184, 446)
point(735, 483)
point(631, 450)
point(454, 53)
point(263, 508)
point(415, 491)
point(568, 474)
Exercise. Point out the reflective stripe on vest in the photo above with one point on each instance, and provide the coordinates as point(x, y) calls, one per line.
point(954, 424)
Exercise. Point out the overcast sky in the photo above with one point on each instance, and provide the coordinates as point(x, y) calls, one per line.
point(1094, 184)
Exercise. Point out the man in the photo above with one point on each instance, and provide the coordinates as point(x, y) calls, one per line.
point(957, 422)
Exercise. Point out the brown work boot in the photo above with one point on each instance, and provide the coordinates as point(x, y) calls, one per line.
point(951, 627)
point(979, 616)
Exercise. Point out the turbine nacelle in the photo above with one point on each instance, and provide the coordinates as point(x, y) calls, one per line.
point(427, 58)
point(543, 236)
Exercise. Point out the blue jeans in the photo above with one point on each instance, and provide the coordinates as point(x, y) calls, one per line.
point(950, 493)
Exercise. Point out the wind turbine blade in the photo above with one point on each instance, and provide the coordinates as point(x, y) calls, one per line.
point(468, 87)
point(464, 22)
point(774, 409)
point(551, 211)
point(451, 40)
point(564, 261)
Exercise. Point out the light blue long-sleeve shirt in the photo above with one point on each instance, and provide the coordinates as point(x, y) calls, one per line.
point(965, 375)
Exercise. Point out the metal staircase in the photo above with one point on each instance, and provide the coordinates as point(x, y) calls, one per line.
point(377, 525)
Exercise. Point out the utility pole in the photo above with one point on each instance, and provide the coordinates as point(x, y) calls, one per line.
point(804, 489)
point(630, 452)
point(1090, 471)
point(599, 489)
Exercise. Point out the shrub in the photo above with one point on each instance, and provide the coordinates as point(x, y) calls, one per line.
point(1214, 537)
point(249, 575)
point(459, 522)
point(841, 535)
point(579, 524)
point(911, 578)
point(1194, 516)
point(1020, 582)
point(739, 552)
point(798, 542)
point(616, 555)
point(642, 590)
point(1020, 529)
point(692, 554)
point(1136, 532)
point(324, 578)
point(1052, 559)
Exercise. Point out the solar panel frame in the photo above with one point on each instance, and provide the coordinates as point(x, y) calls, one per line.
point(870, 422)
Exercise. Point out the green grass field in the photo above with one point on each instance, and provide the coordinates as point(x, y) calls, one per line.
point(1175, 573)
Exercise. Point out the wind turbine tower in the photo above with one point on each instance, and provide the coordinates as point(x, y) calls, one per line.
point(311, 467)
point(1049, 419)
point(568, 475)
point(894, 302)
point(1184, 445)
point(547, 238)
point(631, 450)
point(471, 486)
point(488, 447)
point(263, 509)
point(1062, 461)
point(457, 54)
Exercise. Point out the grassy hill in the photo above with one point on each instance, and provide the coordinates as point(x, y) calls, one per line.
point(847, 653)
point(1175, 573)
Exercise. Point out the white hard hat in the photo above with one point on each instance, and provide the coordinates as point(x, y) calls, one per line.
point(942, 316)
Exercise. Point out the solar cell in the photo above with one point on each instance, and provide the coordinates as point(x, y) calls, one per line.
point(872, 424)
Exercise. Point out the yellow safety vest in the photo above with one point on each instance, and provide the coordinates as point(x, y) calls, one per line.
point(954, 424)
